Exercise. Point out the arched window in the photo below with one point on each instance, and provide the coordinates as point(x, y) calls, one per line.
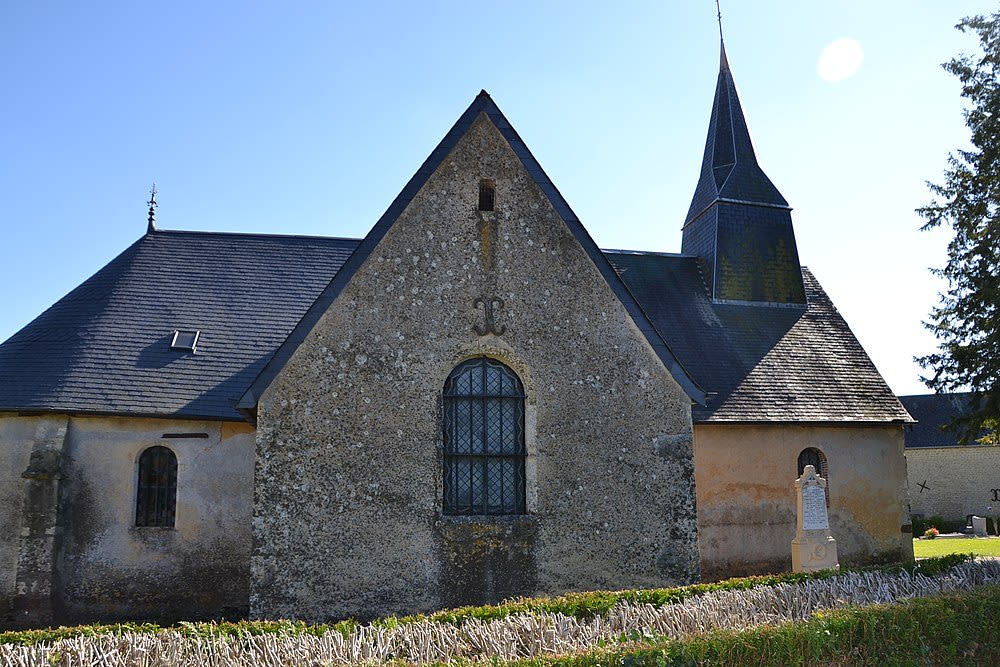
point(811, 456)
point(483, 439)
point(156, 499)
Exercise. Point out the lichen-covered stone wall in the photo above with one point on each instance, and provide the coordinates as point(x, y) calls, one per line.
point(80, 557)
point(348, 484)
point(746, 494)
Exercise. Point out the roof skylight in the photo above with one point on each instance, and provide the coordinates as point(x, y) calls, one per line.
point(185, 341)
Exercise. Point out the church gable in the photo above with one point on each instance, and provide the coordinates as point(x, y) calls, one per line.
point(352, 438)
point(482, 105)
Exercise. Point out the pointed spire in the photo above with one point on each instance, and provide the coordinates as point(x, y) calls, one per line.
point(729, 168)
point(151, 220)
point(738, 222)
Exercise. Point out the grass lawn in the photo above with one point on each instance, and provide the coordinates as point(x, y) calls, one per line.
point(980, 546)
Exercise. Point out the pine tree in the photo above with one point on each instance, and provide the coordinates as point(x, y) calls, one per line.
point(966, 322)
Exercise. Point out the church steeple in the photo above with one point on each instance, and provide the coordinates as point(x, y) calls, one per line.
point(738, 222)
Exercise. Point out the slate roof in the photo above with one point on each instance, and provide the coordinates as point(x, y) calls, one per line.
point(764, 363)
point(933, 412)
point(104, 347)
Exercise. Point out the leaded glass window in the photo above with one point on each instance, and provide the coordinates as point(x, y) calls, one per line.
point(156, 499)
point(483, 439)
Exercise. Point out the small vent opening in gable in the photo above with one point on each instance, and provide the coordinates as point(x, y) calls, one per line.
point(185, 341)
point(487, 195)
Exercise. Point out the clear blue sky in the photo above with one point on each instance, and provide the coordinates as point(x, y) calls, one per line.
point(309, 117)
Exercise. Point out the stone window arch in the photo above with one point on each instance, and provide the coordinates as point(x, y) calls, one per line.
point(811, 456)
point(484, 450)
point(156, 495)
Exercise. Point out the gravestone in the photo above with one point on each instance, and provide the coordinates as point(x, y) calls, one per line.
point(979, 526)
point(813, 547)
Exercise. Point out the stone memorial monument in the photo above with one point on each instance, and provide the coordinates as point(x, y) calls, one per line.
point(813, 547)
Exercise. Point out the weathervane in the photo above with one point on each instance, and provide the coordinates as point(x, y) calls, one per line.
point(718, 9)
point(151, 226)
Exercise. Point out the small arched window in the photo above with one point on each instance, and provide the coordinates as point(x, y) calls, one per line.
point(156, 499)
point(483, 440)
point(811, 456)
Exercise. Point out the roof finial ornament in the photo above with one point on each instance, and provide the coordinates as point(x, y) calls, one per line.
point(723, 60)
point(151, 221)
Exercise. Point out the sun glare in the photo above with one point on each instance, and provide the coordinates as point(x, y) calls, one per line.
point(840, 59)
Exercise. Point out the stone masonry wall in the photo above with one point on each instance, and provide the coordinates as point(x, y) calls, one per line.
point(85, 560)
point(16, 440)
point(70, 550)
point(110, 569)
point(956, 481)
point(348, 485)
point(746, 494)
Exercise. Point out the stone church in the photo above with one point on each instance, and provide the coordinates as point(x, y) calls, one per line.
point(470, 403)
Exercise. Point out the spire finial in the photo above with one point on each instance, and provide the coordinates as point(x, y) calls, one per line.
point(723, 60)
point(151, 223)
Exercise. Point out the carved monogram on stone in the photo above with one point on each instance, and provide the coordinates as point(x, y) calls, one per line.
point(490, 304)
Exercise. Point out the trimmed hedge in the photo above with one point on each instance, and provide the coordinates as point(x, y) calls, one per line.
point(588, 605)
point(578, 605)
point(953, 629)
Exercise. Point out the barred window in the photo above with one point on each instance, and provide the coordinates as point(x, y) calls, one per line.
point(156, 500)
point(483, 440)
point(487, 195)
point(817, 459)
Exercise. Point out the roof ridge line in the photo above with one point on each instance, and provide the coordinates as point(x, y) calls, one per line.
point(202, 232)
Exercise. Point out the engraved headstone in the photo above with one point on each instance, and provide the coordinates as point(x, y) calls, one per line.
point(813, 547)
point(814, 508)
